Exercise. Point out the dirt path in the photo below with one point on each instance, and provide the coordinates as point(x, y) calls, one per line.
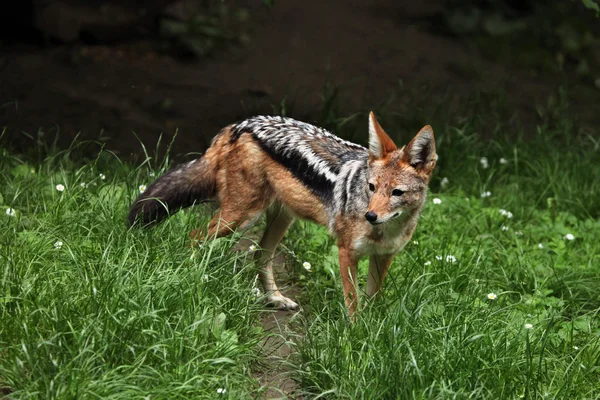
point(278, 346)
point(277, 349)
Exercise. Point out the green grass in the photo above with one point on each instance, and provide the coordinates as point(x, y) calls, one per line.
point(114, 313)
point(434, 333)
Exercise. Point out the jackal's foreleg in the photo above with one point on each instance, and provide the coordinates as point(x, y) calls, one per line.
point(348, 271)
point(378, 268)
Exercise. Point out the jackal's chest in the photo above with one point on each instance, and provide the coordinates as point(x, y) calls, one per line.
point(382, 240)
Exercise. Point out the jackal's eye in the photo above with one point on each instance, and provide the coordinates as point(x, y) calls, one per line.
point(397, 192)
point(371, 187)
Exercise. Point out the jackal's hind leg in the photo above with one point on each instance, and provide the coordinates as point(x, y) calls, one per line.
point(224, 223)
point(278, 221)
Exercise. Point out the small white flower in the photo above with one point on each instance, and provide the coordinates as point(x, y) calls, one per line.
point(507, 214)
point(575, 348)
point(58, 244)
point(94, 290)
point(142, 188)
point(540, 246)
point(102, 176)
point(504, 228)
point(437, 201)
point(415, 242)
point(569, 236)
point(427, 263)
point(60, 187)
point(83, 185)
point(503, 161)
point(445, 181)
point(486, 194)
point(251, 248)
point(484, 162)
point(11, 212)
point(492, 296)
point(451, 259)
point(519, 233)
point(151, 174)
point(306, 265)
point(256, 292)
point(439, 258)
point(221, 390)
point(528, 326)
point(204, 278)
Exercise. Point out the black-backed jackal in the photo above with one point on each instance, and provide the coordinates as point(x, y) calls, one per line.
point(370, 199)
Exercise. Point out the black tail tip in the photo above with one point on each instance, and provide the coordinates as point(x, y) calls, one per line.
point(146, 213)
point(135, 219)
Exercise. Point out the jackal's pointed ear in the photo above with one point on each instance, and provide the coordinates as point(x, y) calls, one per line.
point(420, 152)
point(380, 143)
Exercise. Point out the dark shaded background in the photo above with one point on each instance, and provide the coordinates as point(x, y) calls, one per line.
point(126, 72)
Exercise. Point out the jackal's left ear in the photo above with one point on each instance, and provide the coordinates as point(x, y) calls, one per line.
point(380, 143)
point(420, 152)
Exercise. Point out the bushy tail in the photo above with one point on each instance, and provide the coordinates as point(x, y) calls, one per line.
point(181, 187)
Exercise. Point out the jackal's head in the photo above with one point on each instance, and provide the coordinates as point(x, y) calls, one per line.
point(397, 178)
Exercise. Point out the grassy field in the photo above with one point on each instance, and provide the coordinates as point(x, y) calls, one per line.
point(92, 310)
point(497, 295)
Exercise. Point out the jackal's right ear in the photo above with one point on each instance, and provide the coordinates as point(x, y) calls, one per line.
point(380, 143)
point(420, 152)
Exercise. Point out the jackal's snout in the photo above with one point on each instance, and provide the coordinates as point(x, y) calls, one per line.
point(371, 216)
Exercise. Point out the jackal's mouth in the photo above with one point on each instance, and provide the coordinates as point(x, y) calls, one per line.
point(379, 222)
point(382, 221)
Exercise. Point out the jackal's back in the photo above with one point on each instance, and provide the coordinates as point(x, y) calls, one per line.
point(313, 155)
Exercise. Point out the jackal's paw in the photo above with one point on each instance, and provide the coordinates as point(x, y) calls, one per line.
point(281, 302)
point(196, 239)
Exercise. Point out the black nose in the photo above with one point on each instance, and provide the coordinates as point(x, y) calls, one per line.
point(371, 216)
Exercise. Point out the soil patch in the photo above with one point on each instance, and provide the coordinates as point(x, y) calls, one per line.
point(273, 371)
point(378, 54)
